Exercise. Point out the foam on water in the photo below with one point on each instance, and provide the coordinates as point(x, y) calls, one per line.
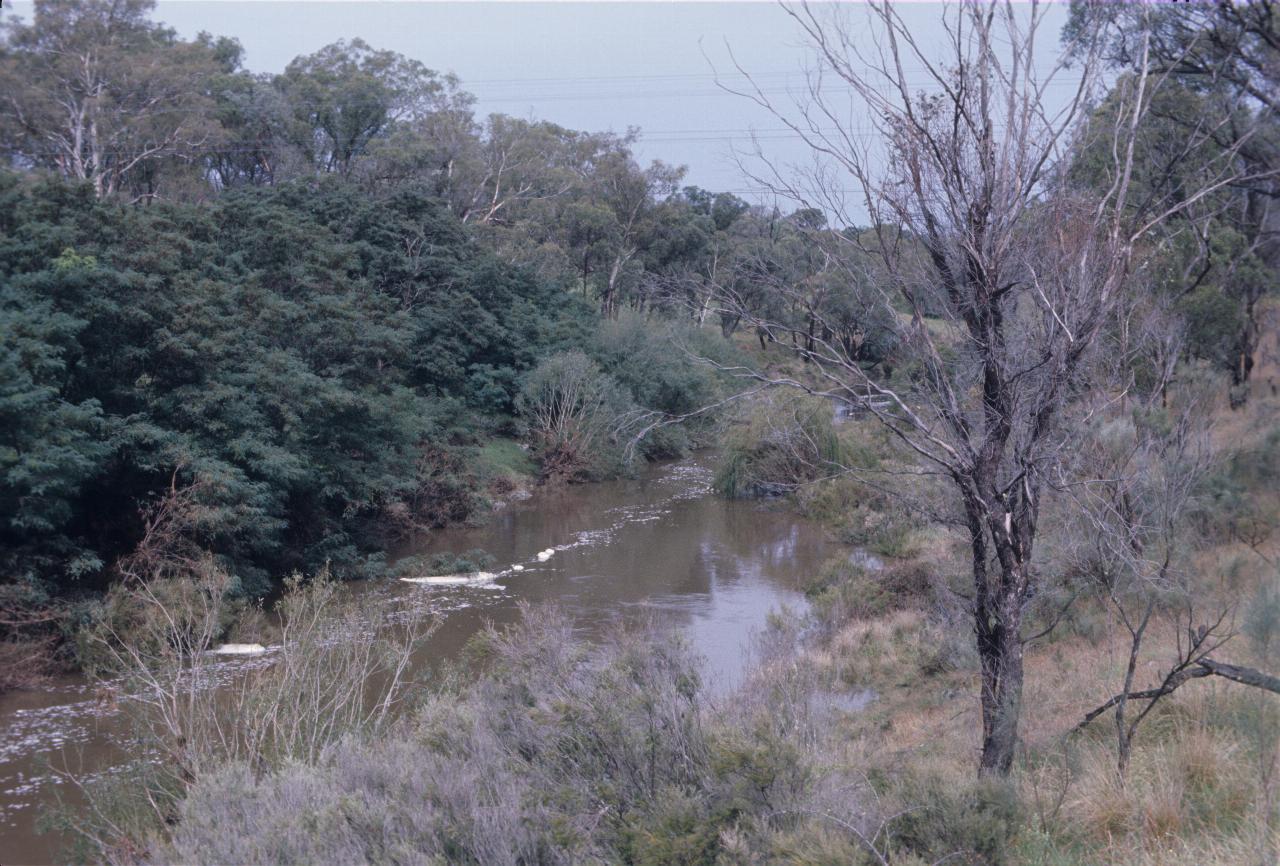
point(239, 649)
point(79, 719)
point(473, 578)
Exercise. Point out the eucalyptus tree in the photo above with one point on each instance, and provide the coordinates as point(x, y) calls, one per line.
point(516, 162)
point(253, 149)
point(710, 250)
point(630, 198)
point(99, 93)
point(347, 95)
point(575, 205)
point(1219, 58)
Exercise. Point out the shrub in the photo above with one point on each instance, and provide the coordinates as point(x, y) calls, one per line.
point(1262, 618)
point(446, 563)
point(786, 441)
point(342, 666)
point(31, 627)
point(863, 588)
point(842, 591)
point(650, 359)
point(140, 628)
point(542, 749)
point(27, 662)
point(964, 821)
point(574, 412)
point(1227, 507)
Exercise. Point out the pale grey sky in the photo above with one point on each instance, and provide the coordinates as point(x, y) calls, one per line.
point(591, 66)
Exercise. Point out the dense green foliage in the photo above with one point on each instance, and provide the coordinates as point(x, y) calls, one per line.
point(314, 296)
point(279, 347)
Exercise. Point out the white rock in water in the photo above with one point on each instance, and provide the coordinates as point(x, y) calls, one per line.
point(543, 556)
point(453, 579)
point(517, 568)
point(240, 649)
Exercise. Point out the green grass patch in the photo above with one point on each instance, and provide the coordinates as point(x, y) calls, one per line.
point(501, 457)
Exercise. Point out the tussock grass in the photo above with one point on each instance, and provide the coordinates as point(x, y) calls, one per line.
point(1203, 786)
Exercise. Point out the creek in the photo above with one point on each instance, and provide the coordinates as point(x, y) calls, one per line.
point(662, 545)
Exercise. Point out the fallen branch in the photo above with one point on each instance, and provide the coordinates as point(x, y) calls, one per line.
point(1201, 668)
point(1248, 676)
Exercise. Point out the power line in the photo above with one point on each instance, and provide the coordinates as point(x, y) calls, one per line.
point(117, 152)
point(829, 90)
point(673, 76)
point(924, 77)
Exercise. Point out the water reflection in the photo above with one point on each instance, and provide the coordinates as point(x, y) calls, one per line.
point(660, 545)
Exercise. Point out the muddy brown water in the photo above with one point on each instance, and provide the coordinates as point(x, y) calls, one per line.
point(662, 544)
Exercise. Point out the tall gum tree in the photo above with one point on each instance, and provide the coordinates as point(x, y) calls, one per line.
point(1000, 276)
point(99, 93)
point(1212, 48)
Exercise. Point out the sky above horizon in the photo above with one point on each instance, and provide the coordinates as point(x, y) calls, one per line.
point(589, 65)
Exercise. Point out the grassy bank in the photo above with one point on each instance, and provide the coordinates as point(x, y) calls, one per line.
point(1203, 782)
point(853, 739)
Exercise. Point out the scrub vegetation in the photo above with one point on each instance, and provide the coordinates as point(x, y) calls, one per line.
point(257, 330)
point(331, 309)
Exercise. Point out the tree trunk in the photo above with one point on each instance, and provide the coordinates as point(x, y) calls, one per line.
point(998, 604)
point(1000, 653)
point(704, 307)
point(1247, 342)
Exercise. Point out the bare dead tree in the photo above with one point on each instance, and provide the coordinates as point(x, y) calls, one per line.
point(1000, 274)
point(1132, 481)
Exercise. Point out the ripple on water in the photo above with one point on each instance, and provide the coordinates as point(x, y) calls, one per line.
point(694, 477)
point(27, 734)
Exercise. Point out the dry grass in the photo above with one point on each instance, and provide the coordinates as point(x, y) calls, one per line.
point(1195, 790)
point(1192, 796)
point(1203, 786)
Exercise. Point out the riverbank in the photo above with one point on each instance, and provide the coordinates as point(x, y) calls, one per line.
point(849, 736)
point(1202, 781)
point(657, 549)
